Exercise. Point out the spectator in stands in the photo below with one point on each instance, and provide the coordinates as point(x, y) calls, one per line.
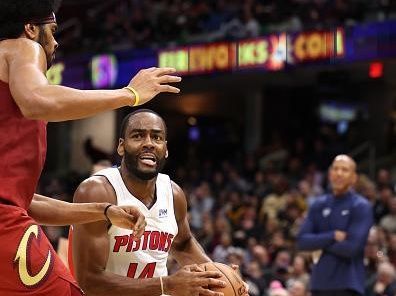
point(255, 279)
point(201, 202)
point(381, 205)
point(163, 22)
point(384, 178)
point(388, 222)
point(373, 255)
point(298, 288)
point(299, 271)
point(276, 289)
point(222, 250)
point(391, 250)
point(385, 284)
point(281, 266)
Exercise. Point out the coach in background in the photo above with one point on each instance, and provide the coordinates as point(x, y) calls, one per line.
point(336, 228)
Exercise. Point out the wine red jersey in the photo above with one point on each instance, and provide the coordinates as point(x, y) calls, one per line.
point(23, 145)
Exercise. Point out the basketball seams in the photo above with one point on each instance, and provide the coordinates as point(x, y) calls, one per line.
point(229, 280)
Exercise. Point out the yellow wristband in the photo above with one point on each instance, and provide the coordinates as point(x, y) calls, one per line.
point(136, 94)
point(162, 286)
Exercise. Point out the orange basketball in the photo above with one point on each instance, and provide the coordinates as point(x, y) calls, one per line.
point(235, 285)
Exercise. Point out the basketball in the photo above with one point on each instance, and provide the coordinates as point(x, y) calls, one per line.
point(235, 285)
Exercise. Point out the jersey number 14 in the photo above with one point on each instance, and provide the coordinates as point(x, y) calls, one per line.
point(147, 272)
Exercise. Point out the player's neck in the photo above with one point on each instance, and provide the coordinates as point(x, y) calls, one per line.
point(144, 190)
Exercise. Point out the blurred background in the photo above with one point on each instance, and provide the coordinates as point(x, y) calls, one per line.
point(271, 92)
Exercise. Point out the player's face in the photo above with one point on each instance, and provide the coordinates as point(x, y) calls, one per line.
point(144, 148)
point(342, 175)
point(47, 41)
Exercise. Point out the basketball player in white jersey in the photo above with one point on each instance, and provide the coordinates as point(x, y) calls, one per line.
point(109, 260)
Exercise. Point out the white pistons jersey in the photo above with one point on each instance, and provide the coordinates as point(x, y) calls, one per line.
point(147, 257)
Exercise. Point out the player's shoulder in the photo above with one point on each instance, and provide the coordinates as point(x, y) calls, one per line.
point(22, 51)
point(179, 198)
point(176, 189)
point(166, 180)
point(25, 42)
point(21, 45)
point(94, 189)
point(179, 201)
point(163, 178)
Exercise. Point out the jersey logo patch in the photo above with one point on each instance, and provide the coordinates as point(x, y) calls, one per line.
point(345, 212)
point(163, 213)
point(326, 212)
point(22, 259)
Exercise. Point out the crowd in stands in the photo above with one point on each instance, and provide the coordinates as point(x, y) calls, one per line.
point(248, 211)
point(125, 24)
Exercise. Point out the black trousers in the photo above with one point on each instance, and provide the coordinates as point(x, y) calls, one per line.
point(336, 293)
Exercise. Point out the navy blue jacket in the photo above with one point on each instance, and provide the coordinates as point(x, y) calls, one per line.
point(341, 263)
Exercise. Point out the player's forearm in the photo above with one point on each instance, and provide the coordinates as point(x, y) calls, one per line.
point(189, 252)
point(49, 211)
point(59, 103)
point(106, 283)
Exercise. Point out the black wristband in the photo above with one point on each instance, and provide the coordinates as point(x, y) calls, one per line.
point(105, 212)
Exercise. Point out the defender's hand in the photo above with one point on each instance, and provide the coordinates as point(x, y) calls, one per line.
point(152, 81)
point(128, 217)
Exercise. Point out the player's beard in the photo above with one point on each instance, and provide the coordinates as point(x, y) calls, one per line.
point(131, 163)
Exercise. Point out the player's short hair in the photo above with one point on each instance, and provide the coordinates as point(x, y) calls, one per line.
point(14, 14)
point(127, 118)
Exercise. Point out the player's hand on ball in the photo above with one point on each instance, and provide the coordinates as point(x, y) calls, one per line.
point(191, 280)
point(150, 82)
point(193, 267)
point(128, 217)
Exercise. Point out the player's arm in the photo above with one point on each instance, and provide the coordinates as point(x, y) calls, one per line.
point(308, 239)
point(90, 254)
point(185, 248)
point(49, 211)
point(37, 99)
point(359, 226)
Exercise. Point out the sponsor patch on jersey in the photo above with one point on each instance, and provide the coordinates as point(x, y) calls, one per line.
point(163, 213)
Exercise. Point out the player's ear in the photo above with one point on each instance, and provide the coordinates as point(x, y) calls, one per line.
point(120, 148)
point(31, 31)
point(166, 153)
